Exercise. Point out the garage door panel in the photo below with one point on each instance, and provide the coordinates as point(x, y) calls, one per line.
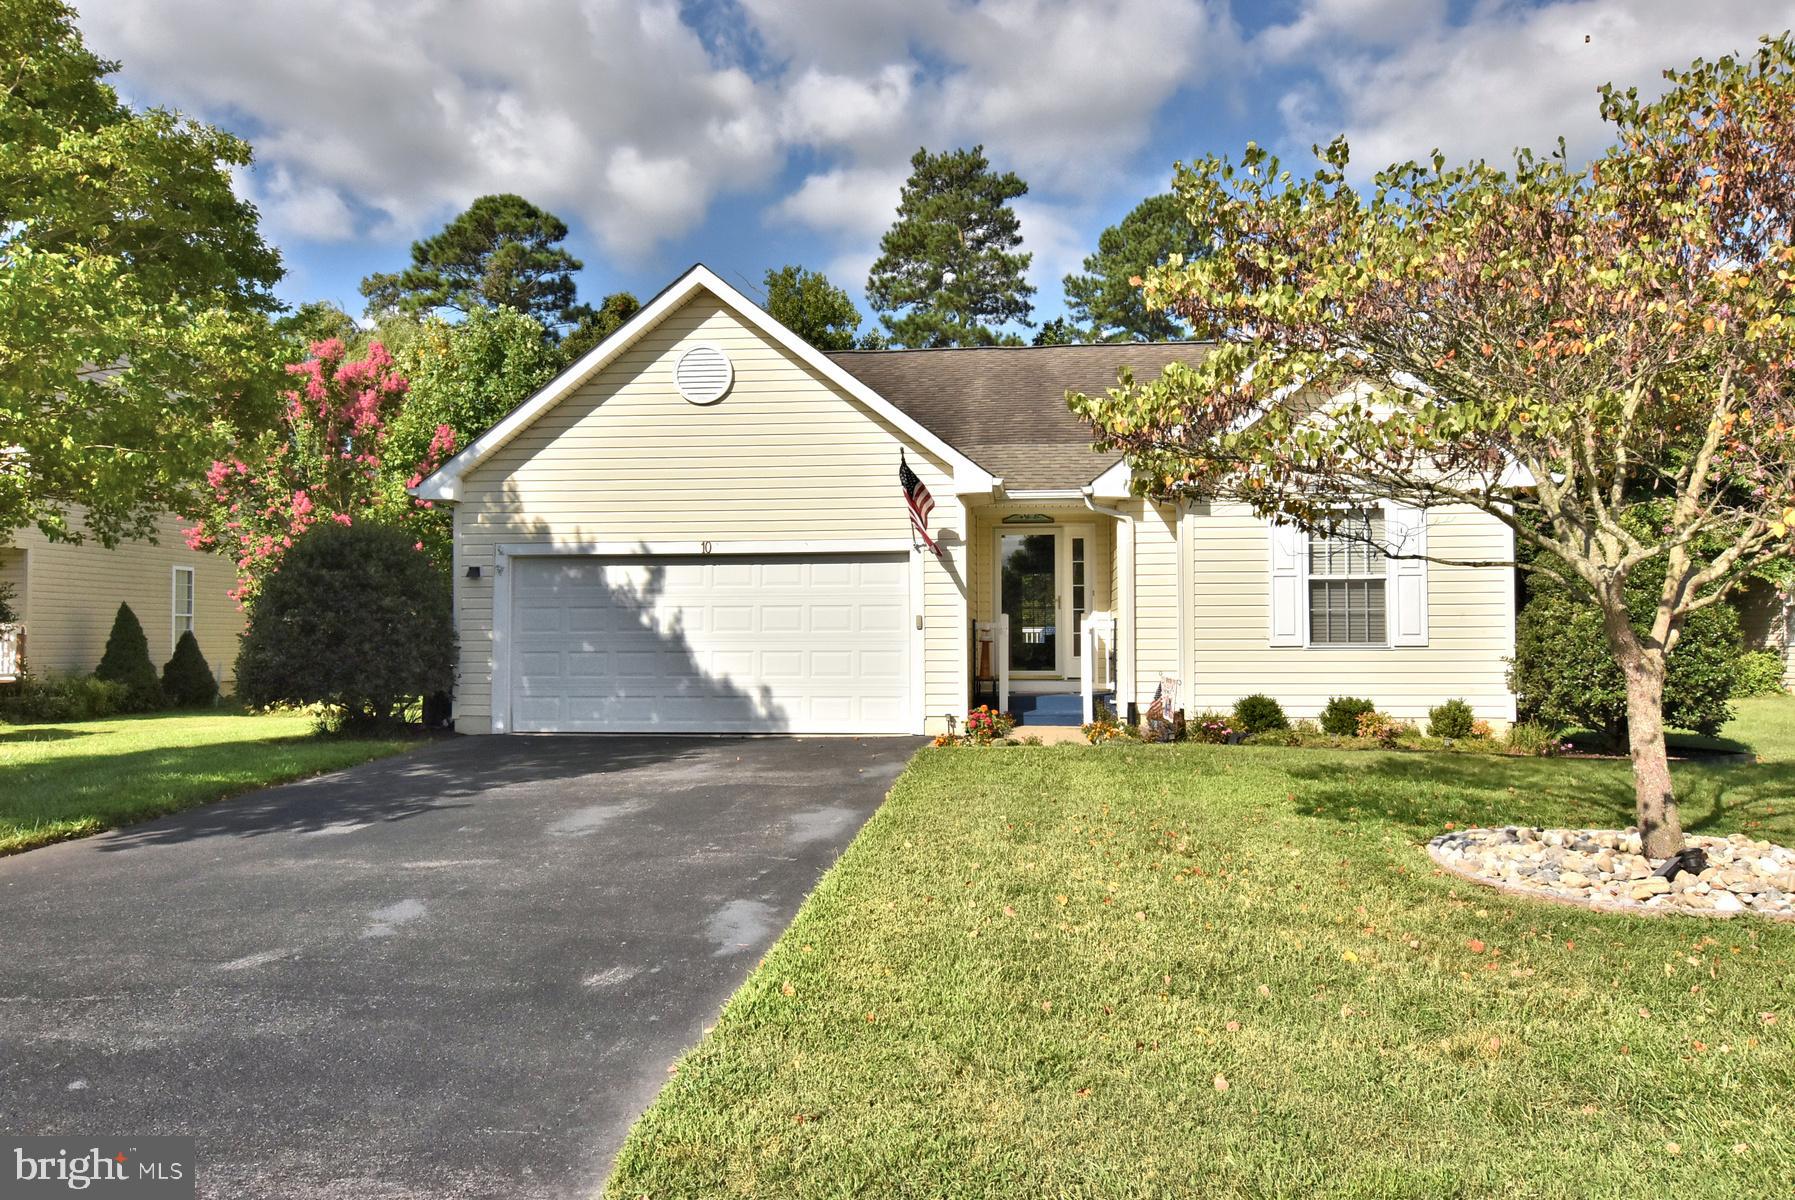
point(781, 644)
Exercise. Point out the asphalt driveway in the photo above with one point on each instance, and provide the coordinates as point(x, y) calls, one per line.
point(462, 972)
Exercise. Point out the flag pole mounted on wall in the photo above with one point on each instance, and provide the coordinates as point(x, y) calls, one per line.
point(920, 503)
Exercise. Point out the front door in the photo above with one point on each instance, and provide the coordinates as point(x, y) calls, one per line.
point(1029, 586)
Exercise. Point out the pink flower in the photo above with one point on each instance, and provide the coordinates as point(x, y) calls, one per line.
point(302, 503)
point(341, 518)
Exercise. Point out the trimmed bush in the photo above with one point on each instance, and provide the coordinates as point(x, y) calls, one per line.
point(1259, 713)
point(1758, 673)
point(1453, 719)
point(356, 618)
point(186, 678)
point(1341, 716)
point(37, 699)
point(1564, 675)
point(127, 663)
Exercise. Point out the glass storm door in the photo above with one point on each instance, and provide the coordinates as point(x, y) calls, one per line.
point(1030, 566)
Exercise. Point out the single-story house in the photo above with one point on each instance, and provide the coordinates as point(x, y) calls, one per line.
point(66, 595)
point(699, 527)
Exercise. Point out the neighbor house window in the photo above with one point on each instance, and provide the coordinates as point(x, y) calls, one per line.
point(1347, 578)
point(183, 602)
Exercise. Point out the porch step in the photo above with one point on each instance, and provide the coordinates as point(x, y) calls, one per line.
point(1064, 708)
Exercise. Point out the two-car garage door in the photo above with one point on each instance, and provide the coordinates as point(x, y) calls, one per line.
point(715, 644)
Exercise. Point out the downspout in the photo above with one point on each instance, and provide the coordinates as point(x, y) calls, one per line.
point(1124, 603)
point(1186, 665)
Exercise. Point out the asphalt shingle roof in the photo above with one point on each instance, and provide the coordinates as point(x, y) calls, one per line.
point(1004, 407)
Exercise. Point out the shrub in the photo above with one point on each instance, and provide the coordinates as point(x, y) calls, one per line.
point(1341, 716)
point(1564, 674)
point(186, 678)
point(1274, 737)
point(1259, 713)
point(985, 725)
point(1758, 673)
point(356, 618)
point(1214, 728)
point(1453, 719)
point(127, 662)
point(8, 594)
point(1532, 738)
point(43, 698)
point(1379, 727)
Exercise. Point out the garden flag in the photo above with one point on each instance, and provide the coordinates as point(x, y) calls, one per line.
point(920, 502)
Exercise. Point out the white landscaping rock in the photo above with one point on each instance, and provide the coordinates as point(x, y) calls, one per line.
point(1604, 868)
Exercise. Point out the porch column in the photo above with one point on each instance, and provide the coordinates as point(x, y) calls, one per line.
point(1124, 605)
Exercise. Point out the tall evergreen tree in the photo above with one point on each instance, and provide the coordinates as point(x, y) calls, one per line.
point(949, 270)
point(1107, 298)
point(503, 252)
point(806, 303)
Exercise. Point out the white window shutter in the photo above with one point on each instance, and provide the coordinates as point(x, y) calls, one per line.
point(1288, 546)
point(1405, 530)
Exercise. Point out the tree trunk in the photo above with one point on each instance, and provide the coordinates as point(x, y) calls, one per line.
point(1660, 828)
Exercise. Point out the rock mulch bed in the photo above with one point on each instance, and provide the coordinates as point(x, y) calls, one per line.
point(1603, 868)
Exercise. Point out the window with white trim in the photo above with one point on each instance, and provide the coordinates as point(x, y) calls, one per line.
point(1348, 579)
point(183, 602)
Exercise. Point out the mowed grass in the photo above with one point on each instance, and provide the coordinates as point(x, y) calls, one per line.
point(78, 778)
point(1167, 971)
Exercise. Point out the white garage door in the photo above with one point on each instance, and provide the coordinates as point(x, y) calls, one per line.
point(720, 644)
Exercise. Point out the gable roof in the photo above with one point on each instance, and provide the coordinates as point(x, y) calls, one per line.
point(1005, 406)
point(443, 483)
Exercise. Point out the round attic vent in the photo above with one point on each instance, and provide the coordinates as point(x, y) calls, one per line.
point(703, 374)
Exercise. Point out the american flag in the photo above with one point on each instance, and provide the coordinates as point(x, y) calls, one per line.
point(1156, 711)
point(921, 504)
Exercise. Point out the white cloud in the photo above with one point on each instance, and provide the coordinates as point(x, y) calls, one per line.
point(413, 108)
point(852, 202)
point(1507, 75)
point(1360, 22)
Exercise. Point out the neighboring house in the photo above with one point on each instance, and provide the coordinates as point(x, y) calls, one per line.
point(698, 528)
point(67, 594)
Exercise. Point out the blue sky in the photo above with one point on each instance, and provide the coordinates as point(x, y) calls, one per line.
point(751, 133)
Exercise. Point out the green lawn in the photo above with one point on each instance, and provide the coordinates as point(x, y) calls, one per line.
point(1157, 971)
point(80, 777)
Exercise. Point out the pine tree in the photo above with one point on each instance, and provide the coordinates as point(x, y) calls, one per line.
point(187, 680)
point(1107, 298)
point(126, 662)
point(948, 271)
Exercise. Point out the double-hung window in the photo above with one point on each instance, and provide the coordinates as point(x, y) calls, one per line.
point(183, 601)
point(1348, 577)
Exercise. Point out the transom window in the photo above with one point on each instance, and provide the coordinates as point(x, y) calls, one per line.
point(1347, 581)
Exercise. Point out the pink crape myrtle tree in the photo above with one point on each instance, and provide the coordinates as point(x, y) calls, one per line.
point(323, 461)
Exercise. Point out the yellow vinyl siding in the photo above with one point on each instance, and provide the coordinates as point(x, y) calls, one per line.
point(1470, 626)
point(785, 456)
point(72, 593)
point(1155, 595)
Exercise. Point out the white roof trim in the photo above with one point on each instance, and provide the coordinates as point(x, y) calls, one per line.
point(443, 484)
point(1113, 483)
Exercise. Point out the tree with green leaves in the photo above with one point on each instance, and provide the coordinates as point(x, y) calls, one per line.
point(806, 303)
point(463, 377)
point(503, 252)
point(305, 325)
point(134, 291)
point(1058, 332)
point(949, 271)
point(1107, 297)
point(597, 324)
point(1600, 358)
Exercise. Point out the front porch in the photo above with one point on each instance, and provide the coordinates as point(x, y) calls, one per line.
point(1042, 585)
